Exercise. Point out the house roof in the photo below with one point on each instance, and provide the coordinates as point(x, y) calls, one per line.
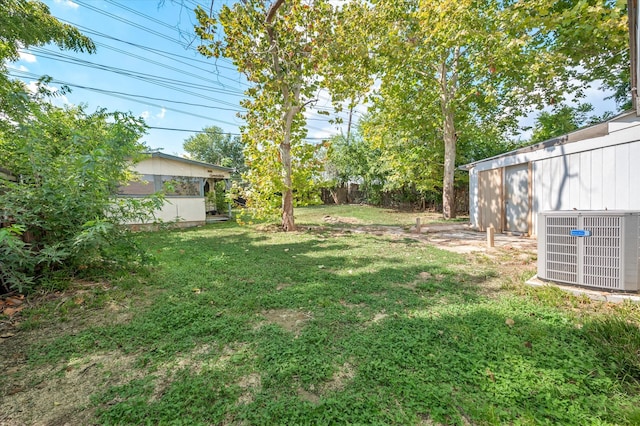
point(589, 132)
point(156, 154)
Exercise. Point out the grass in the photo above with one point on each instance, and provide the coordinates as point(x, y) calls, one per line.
point(367, 215)
point(239, 326)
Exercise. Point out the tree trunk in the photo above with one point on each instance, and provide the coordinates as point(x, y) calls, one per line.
point(288, 223)
point(448, 193)
point(448, 86)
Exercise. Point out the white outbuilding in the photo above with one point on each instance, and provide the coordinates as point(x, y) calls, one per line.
point(594, 168)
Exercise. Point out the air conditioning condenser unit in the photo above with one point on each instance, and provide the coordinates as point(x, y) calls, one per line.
point(597, 249)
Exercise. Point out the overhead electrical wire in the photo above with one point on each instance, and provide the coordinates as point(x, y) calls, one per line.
point(114, 92)
point(173, 129)
point(151, 49)
point(179, 111)
point(152, 79)
point(139, 26)
point(131, 96)
point(49, 54)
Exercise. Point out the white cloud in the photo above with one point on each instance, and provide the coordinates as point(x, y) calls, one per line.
point(56, 98)
point(145, 114)
point(27, 57)
point(33, 86)
point(20, 68)
point(66, 3)
point(161, 114)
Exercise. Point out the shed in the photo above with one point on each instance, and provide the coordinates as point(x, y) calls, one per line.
point(186, 184)
point(594, 168)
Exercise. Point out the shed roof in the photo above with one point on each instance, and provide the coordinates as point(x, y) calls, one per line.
point(156, 154)
point(589, 132)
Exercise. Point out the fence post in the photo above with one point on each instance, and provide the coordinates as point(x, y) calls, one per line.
point(418, 226)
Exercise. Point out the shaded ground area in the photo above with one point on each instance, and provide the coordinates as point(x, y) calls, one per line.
point(341, 322)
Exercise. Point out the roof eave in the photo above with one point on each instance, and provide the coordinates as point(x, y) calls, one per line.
point(594, 130)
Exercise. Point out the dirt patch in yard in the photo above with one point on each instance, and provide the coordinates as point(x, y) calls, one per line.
point(61, 395)
point(340, 378)
point(250, 384)
point(339, 219)
point(290, 320)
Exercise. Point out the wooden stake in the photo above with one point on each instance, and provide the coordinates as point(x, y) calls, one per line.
point(491, 232)
point(418, 227)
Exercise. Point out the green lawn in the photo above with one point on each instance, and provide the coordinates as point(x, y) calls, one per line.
point(239, 326)
point(366, 215)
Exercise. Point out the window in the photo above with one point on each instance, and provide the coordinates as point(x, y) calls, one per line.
point(172, 186)
point(181, 186)
point(144, 185)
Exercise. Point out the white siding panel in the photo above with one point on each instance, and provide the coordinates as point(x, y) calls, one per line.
point(597, 187)
point(574, 180)
point(609, 178)
point(547, 187)
point(563, 191)
point(634, 176)
point(186, 209)
point(628, 134)
point(535, 205)
point(585, 181)
point(557, 181)
point(622, 160)
point(473, 198)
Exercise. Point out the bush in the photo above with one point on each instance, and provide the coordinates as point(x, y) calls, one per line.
point(62, 213)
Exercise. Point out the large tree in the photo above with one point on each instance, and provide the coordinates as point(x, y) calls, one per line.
point(281, 47)
point(452, 68)
point(215, 146)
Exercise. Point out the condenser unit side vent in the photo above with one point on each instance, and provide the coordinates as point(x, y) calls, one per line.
point(593, 249)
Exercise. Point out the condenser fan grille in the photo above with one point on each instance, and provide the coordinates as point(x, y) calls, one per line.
point(562, 250)
point(594, 249)
point(602, 252)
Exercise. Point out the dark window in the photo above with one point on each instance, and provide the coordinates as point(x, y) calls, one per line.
point(182, 186)
point(144, 185)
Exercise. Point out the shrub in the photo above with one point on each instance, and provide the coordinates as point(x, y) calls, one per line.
point(62, 212)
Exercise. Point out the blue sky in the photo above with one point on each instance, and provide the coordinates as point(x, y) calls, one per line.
point(146, 60)
point(146, 64)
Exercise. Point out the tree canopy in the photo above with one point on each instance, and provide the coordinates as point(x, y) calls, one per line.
point(284, 49)
point(452, 72)
point(449, 76)
point(214, 146)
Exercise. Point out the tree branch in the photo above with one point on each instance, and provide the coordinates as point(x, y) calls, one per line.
point(273, 10)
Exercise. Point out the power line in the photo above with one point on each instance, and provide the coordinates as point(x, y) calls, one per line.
point(126, 72)
point(179, 111)
point(159, 81)
point(109, 92)
point(136, 25)
point(151, 49)
point(173, 129)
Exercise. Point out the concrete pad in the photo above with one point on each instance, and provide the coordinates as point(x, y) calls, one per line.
point(602, 296)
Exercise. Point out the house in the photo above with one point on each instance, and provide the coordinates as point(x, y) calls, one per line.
point(185, 183)
point(594, 168)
